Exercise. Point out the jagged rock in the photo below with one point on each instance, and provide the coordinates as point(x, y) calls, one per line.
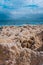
point(21, 45)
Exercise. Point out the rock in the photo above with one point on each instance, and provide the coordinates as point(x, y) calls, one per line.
point(21, 45)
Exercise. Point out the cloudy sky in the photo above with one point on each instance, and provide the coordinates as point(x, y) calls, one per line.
point(21, 2)
point(19, 8)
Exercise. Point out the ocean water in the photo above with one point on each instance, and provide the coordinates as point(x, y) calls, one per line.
point(19, 12)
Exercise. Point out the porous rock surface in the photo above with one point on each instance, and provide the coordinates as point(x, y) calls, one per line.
point(21, 45)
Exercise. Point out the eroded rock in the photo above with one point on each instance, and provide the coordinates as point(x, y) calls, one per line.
point(21, 45)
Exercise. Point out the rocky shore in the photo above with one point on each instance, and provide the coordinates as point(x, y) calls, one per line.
point(21, 45)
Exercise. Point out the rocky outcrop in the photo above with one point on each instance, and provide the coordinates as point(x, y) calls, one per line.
point(21, 45)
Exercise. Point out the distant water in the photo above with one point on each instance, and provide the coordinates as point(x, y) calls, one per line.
point(28, 19)
point(21, 22)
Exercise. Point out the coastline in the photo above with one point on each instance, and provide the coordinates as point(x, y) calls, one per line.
point(23, 25)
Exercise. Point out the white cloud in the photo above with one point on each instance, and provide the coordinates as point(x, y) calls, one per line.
point(39, 2)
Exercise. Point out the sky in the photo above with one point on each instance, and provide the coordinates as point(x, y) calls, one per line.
point(18, 3)
point(20, 8)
